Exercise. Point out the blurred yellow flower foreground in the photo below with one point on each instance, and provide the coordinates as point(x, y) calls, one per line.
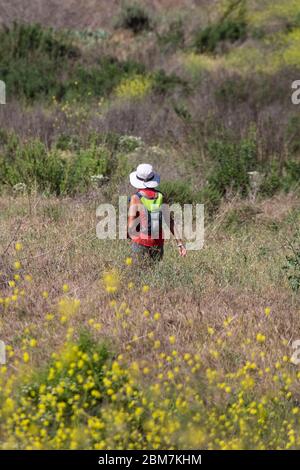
point(137, 389)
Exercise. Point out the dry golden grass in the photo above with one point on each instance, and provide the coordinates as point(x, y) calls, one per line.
point(211, 333)
point(237, 274)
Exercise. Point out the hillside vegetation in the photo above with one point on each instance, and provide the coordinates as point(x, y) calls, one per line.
point(198, 352)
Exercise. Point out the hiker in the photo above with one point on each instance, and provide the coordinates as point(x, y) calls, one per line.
point(145, 216)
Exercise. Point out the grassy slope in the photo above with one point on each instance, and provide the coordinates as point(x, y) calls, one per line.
point(231, 359)
point(239, 271)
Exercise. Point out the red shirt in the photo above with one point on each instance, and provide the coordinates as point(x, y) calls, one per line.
point(142, 238)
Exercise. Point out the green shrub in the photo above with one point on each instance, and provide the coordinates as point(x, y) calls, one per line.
point(291, 178)
point(122, 167)
point(100, 80)
point(272, 181)
point(231, 164)
point(31, 60)
point(207, 40)
point(38, 63)
point(20, 40)
point(52, 171)
point(87, 346)
point(82, 166)
point(182, 111)
point(210, 197)
point(67, 142)
point(135, 18)
point(278, 177)
point(32, 165)
point(31, 81)
point(177, 192)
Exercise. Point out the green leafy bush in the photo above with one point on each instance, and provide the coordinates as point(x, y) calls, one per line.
point(32, 165)
point(278, 177)
point(31, 59)
point(231, 164)
point(272, 181)
point(207, 40)
point(82, 166)
point(37, 62)
point(177, 192)
point(210, 197)
point(182, 111)
point(100, 80)
point(67, 141)
point(22, 39)
point(135, 18)
point(53, 171)
point(291, 178)
point(44, 377)
point(182, 192)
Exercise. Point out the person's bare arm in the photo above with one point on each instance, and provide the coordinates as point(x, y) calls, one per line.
point(169, 219)
point(133, 213)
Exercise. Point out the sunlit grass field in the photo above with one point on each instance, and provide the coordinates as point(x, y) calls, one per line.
point(194, 353)
point(190, 353)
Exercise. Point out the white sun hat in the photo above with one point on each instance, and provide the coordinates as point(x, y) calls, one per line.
point(144, 177)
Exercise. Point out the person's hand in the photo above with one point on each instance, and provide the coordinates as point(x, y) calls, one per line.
point(182, 250)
